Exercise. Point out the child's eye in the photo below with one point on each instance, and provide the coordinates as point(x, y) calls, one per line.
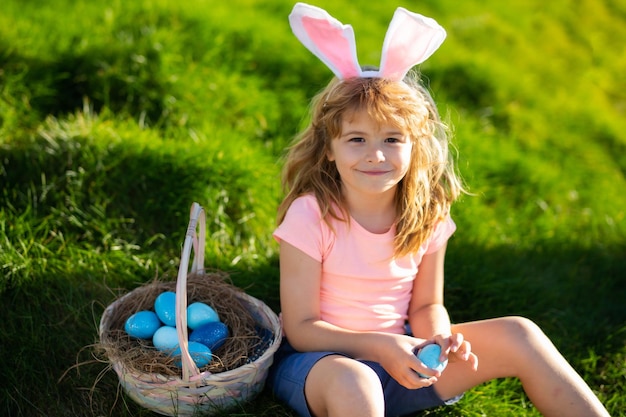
point(356, 139)
point(393, 140)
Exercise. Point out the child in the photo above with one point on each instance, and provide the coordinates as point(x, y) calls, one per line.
point(363, 232)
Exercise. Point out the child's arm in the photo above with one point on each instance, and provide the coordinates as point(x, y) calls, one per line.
point(300, 277)
point(428, 316)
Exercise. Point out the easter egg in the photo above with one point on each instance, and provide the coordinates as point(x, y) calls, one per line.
point(429, 355)
point(165, 308)
point(199, 314)
point(200, 354)
point(213, 334)
point(142, 324)
point(165, 338)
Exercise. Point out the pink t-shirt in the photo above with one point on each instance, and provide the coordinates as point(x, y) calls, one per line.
point(362, 286)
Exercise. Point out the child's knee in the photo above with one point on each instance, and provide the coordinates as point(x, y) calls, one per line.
point(523, 327)
point(335, 382)
point(342, 376)
point(521, 336)
point(353, 377)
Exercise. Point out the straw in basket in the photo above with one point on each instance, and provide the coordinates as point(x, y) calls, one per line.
point(193, 391)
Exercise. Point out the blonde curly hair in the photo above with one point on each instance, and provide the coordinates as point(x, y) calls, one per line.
point(431, 184)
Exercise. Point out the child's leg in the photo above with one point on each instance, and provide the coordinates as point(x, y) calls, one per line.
point(340, 386)
point(516, 347)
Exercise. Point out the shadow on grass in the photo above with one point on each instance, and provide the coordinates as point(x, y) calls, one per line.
point(124, 76)
point(575, 294)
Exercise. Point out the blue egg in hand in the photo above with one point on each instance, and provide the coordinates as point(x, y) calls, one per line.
point(199, 314)
point(429, 355)
point(165, 308)
point(165, 338)
point(213, 334)
point(142, 324)
point(200, 354)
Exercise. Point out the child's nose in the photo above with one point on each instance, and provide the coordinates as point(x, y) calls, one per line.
point(375, 154)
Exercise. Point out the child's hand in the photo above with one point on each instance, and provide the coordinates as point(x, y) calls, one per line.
point(396, 354)
point(455, 348)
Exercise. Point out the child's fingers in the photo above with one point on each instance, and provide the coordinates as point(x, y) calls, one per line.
point(473, 360)
point(426, 373)
point(418, 376)
point(446, 342)
point(450, 344)
point(464, 350)
point(465, 353)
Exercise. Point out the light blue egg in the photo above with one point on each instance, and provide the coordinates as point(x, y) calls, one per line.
point(165, 307)
point(199, 314)
point(142, 324)
point(200, 354)
point(165, 338)
point(213, 334)
point(429, 355)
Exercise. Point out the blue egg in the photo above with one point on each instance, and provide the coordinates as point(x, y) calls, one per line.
point(199, 314)
point(142, 324)
point(165, 338)
point(429, 355)
point(200, 354)
point(165, 307)
point(213, 334)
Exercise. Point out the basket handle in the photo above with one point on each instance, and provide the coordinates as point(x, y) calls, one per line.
point(198, 240)
point(197, 219)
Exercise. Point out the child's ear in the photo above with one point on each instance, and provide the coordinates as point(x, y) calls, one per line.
point(330, 156)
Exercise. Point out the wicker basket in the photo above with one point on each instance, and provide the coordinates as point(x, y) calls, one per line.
point(194, 391)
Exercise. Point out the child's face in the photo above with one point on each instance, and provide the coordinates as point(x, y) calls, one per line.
point(370, 158)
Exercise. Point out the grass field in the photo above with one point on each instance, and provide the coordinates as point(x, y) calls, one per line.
point(115, 116)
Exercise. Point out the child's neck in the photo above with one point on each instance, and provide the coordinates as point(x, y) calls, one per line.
point(375, 213)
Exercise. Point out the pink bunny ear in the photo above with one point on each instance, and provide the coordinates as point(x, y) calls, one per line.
point(410, 40)
point(327, 38)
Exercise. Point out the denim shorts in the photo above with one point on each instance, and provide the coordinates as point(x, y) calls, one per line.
point(290, 368)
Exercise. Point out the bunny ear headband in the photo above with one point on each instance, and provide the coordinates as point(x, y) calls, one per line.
point(410, 40)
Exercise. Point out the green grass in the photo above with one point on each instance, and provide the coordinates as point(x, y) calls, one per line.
point(116, 116)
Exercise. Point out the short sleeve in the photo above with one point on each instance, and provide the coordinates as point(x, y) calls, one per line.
point(304, 228)
point(440, 236)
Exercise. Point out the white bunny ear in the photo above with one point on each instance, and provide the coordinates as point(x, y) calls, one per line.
point(410, 40)
point(327, 38)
